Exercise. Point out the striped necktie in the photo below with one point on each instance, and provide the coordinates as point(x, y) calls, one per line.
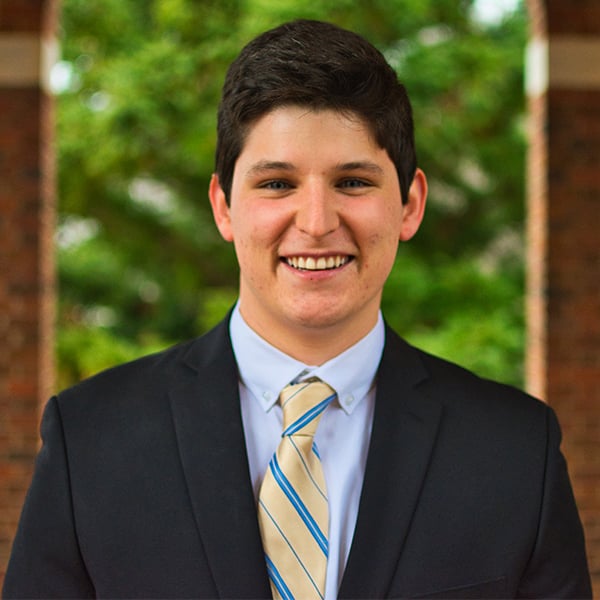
point(293, 512)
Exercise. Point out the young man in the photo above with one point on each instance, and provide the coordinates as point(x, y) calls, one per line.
point(159, 478)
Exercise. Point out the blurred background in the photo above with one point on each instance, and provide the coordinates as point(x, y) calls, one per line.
point(140, 263)
point(107, 246)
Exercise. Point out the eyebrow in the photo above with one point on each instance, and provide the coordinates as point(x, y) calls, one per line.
point(360, 165)
point(265, 166)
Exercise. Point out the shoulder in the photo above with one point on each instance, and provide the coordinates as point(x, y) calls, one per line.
point(486, 426)
point(460, 391)
point(147, 379)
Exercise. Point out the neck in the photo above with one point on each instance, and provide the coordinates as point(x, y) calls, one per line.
point(313, 345)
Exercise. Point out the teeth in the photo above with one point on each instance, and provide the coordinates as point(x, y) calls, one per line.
point(320, 264)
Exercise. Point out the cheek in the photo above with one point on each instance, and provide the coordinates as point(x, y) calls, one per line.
point(383, 234)
point(259, 223)
point(254, 250)
point(378, 255)
point(380, 223)
point(381, 250)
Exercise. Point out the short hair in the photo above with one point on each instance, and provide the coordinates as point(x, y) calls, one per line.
point(319, 66)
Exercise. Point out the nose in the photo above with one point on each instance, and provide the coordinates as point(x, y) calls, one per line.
point(317, 213)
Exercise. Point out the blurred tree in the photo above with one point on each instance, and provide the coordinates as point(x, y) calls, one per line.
point(140, 262)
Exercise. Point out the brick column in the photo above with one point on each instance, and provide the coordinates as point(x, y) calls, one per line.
point(26, 248)
point(564, 243)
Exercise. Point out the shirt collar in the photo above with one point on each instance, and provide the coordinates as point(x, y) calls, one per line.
point(265, 370)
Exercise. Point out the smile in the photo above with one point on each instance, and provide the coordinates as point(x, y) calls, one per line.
point(322, 263)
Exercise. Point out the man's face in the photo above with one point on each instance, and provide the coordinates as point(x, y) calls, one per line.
point(315, 216)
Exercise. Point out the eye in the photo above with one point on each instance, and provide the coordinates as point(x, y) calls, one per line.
point(354, 183)
point(277, 185)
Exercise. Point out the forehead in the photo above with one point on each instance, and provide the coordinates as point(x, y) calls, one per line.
point(348, 115)
point(293, 127)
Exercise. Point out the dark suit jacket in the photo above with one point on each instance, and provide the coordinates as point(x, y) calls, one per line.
point(142, 488)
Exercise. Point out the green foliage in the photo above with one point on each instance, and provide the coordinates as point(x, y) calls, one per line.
point(82, 351)
point(141, 264)
point(461, 311)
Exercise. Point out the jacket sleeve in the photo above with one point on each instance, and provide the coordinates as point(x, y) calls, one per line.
point(558, 564)
point(45, 560)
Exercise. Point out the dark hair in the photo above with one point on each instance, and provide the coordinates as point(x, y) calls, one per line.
point(320, 66)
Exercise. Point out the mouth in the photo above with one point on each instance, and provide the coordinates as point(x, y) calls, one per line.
point(322, 263)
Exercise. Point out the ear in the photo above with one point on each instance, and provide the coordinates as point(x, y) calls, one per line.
point(220, 208)
point(414, 209)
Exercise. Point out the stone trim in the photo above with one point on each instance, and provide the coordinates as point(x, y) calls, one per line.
point(567, 62)
point(575, 62)
point(26, 60)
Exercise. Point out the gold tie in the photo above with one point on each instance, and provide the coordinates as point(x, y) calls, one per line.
point(292, 504)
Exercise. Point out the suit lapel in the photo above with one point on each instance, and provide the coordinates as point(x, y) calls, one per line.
point(404, 431)
point(208, 424)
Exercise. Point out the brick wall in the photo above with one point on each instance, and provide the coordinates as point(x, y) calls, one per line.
point(573, 373)
point(564, 244)
point(26, 250)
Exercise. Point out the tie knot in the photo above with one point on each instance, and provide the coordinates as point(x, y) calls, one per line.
point(303, 404)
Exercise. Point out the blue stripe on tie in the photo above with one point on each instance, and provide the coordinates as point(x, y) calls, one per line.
point(277, 580)
point(297, 503)
point(276, 525)
point(310, 476)
point(308, 416)
point(316, 450)
point(304, 384)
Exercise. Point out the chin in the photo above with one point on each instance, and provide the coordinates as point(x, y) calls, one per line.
point(317, 318)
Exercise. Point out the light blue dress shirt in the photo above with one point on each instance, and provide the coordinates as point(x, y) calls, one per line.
point(344, 431)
